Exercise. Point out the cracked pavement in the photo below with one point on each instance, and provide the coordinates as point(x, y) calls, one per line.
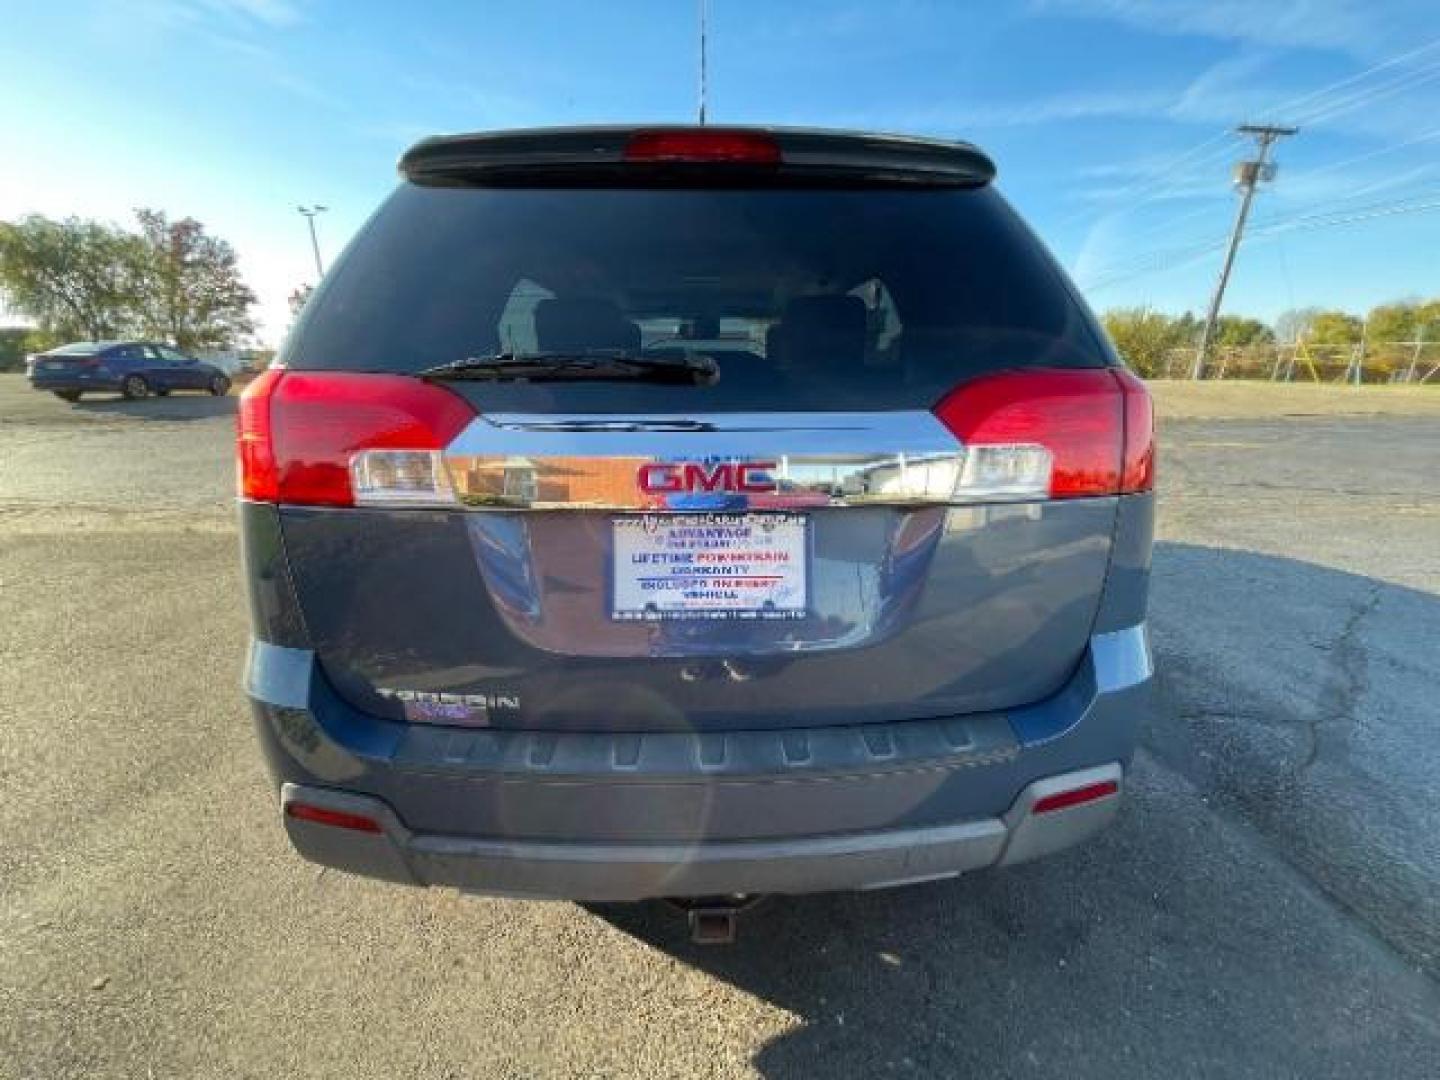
point(1266, 906)
point(1338, 705)
point(1297, 636)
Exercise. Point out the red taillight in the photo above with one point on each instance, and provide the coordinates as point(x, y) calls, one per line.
point(1010, 421)
point(1062, 800)
point(300, 433)
point(258, 478)
point(338, 819)
point(1138, 470)
point(704, 144)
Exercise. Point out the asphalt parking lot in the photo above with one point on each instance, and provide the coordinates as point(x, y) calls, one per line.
point(1268, 905)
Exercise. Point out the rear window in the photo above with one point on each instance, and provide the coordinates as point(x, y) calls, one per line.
point(807, 299)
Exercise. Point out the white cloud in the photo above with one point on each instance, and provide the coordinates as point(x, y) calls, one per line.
point(946, 117)
point(273, 13)
point(1103, 242)
point(176, 14)
point(1068, 106)
point(1377, 101)
point(1349, 26)
point(1218, 88)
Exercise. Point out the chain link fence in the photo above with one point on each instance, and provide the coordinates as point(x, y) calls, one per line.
point(1374, 362)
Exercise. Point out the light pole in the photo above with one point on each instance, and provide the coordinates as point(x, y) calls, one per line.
point(309, 212)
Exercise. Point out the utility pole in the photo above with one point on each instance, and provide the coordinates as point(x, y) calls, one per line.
point(1248, 176)
point(309, 212)
point(704, 5)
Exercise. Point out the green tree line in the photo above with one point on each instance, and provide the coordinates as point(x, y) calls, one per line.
point(1145, 337)
point(78, 278)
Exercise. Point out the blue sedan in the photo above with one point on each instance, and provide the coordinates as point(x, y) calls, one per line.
point(135, 369)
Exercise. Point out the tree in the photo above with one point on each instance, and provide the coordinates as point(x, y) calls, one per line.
point(74, 278)
point(1392, 322)
point(1405, 320)
point(1334, 328)
point(191, 290)
point(1238, 330)
point(1294, 324)
point(1427, 321)
point(17, 342)
point(1143, 337)
point(1186, 329)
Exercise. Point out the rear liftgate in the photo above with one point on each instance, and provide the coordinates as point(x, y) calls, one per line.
point(672, 559)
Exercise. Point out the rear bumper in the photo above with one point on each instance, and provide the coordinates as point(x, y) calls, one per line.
point(622, 817)
point(602, 872)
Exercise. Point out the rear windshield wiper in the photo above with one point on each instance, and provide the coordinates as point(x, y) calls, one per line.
point(578, 366)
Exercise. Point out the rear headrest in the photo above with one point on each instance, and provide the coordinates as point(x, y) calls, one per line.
point(563, 325)
point(704, 328)
point(775, 344)
point(823, 330)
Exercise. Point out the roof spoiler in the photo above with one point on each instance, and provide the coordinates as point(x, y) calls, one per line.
point(620, 155)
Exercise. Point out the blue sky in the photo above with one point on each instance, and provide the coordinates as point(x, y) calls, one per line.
point(1108, 118)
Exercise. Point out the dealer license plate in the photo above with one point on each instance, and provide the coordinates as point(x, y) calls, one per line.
point(709, 566)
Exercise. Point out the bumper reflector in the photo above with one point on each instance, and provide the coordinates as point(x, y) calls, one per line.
point(1063, 800)
point(338, 819)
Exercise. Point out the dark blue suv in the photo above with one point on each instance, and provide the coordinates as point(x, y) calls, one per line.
point(135, 369)
point(693, 512)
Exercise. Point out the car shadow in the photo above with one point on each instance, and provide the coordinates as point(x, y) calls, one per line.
point(173, 408)
point(1178, 937)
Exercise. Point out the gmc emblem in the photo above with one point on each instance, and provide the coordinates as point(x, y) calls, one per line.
point(675, 478)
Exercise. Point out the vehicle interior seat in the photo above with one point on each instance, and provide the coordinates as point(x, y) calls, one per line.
point(819, 333)
point(575, 325)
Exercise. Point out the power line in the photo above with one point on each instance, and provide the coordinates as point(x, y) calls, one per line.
point(1325, 103)
point(1370, 95)
point(1162, 191)
point(1310, 174)
point(1382, 65)
point(1138, 190)
point(1335, 101)
point(1170, 222)
point(1390, 201)
point(1324, 221)
point(1156, 262)
point(1179, 257)
point(1154, 186)
point(1295, 178)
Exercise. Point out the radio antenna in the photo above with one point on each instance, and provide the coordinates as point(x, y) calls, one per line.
point(704, 5)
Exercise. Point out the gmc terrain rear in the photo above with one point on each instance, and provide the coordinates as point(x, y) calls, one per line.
point(691, 511)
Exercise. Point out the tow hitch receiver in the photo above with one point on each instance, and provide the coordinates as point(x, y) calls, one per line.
point(713, 919)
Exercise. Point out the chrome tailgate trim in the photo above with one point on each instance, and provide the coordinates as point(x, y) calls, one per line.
point(730, 461)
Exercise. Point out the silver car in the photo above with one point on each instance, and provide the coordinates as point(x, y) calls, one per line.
point(693, 513)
